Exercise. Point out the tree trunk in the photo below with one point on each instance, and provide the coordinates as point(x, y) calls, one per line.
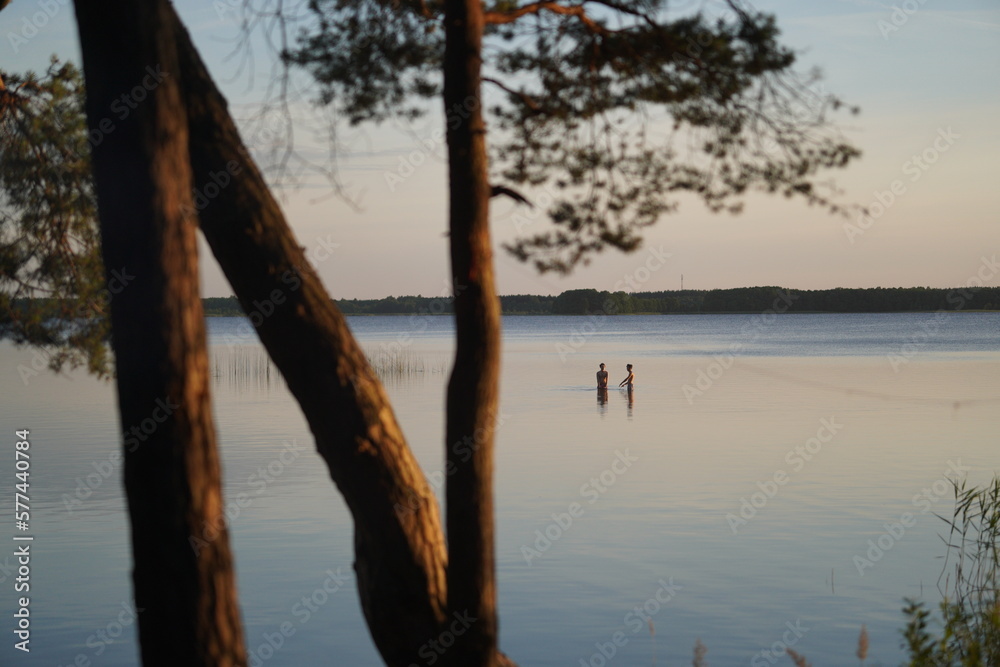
point(185, 597)
point(399, 543)
point(472, 390)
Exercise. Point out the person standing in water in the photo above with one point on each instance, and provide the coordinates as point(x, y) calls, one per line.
point(602, 378)
point(602, 386)
point(629, 380)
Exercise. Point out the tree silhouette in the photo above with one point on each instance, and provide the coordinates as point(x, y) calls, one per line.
point(615, 105)
point(572, 76)
point(50, 267)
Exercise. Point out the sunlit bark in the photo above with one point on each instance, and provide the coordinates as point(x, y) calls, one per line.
point(399, 544)
point(472, 390)
point(185, 597)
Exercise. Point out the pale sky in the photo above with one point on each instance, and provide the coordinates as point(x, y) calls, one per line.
point(924, 75)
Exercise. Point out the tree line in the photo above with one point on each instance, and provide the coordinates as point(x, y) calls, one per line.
point(121, 190)
point(736, 300)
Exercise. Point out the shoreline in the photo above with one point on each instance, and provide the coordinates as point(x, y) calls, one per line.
point(651, 313)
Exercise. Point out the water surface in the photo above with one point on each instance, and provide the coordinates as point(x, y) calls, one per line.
point(657, 516)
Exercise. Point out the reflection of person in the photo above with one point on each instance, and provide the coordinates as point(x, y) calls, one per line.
point(602, 397)
point(602, 378)
point(630, 379)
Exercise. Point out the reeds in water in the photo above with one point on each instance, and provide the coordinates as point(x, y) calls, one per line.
point(396, 364)
point(243, 366)
point(247, 366)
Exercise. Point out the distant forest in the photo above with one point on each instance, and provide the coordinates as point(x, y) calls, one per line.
point(737, 300)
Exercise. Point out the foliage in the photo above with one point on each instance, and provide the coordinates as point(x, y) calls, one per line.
point(591, 301)
point(215, 306)
point(611, 106)
point(850, 300)
point(736, 300)
point(49, 241)
point(969, 635)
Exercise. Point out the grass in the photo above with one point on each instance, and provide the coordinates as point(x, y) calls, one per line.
point(968, 625)
point(246, 366)
point(392, 363)
point(243, 366)
point(966, 630)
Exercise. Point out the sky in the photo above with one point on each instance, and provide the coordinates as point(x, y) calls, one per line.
point(923, 73)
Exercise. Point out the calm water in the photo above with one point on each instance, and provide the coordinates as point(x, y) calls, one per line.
point(657, 517)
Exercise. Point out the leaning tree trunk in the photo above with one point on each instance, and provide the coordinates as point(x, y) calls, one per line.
point(472, 390)
point(185, 597)
point(399, 544)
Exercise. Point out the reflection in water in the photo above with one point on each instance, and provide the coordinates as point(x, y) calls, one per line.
point(666, 516)
point(602, 400)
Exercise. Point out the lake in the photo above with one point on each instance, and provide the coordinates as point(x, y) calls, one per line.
point(771, 480)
